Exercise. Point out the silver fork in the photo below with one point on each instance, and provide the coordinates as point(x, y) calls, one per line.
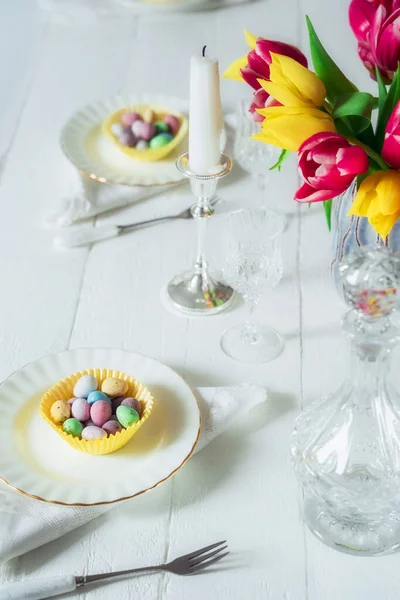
point(73, 237)
point(189, 564)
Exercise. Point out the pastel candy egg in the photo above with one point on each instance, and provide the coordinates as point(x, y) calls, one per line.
point(117, 401)
point(100, 412)
point(162, 127)
point(127, 138)
point(148, 115)
point(133, 403)
point(112, 427)
point(81, 409)
point(117, 129)
point(128, 118)
point(112, 386)
point(96, 396)
point(93, 433)
point(60, 411)
point(136, 127)
point(142, 145)
point(147, 131)
point(73, 427)
point(127, 416)
point(113, 418)
point(85, 385)
point(71, 401)
point(88, 423)
point(173, 123)
point(160, 140)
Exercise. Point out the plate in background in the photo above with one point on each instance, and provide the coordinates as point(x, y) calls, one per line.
point(35, 461)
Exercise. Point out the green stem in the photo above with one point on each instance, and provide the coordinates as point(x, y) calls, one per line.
point(371, 153)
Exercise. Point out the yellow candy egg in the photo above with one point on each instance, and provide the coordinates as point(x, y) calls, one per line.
point(60, 412)
point(148, 115)
point(112, 386)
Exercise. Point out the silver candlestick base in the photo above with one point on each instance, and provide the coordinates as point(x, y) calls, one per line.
point(200, 291)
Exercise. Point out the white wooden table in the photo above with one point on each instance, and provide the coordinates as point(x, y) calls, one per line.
point(242, 487)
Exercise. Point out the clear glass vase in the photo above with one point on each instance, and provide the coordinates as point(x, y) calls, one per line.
point(346, 448)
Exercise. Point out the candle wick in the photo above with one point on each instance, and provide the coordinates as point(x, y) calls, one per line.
point(204, 50)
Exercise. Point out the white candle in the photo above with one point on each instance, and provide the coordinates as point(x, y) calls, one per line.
point(205, 116)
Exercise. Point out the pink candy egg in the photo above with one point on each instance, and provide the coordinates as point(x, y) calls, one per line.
point(100, 412)
point(127, 138)
point(112, 427)
point(93, 433)
point(128, 118)
point(173, 123)
point(147, 131)
point(133, 403)
point(71, 401)
point(81, 409)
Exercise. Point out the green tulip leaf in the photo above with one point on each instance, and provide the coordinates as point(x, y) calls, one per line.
point(335, 80)
point(328, 210)
point(355, 110)
point(388, 106)
point(282, 157)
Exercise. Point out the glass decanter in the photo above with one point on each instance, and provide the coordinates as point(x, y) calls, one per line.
point(346, 448)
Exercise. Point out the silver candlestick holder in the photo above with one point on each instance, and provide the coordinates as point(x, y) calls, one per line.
point(200, 290)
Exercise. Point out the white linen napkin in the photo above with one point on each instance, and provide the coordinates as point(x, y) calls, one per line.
point(88, 198)
point(26, 524)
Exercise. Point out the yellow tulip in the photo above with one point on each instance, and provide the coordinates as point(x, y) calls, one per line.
point(250, 39)
point(292, 84)
point(378, 199)
point(233, 71)
point(289, 126)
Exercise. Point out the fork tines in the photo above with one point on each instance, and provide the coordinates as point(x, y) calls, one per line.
point(207, 556)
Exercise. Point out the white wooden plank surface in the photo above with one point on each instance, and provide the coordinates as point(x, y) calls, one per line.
point(241, 487)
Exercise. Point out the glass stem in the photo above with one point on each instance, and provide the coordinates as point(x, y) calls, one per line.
point(250, 330)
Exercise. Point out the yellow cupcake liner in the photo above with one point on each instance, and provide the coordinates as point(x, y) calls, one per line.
point(64, 390)
point(151, 154)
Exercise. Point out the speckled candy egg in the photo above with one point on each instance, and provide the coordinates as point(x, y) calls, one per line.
point(117, 129)
point(127, 416)
point(147, 131)
point(136, 127)
point(97, 396)
point(112, 386)
point(133, 403)
point(73, 427)
point(148, 115)
point(81, 409)
point(128, 118)
point(160, 140)
point(127, 138)
point(60, 412)
point(85, 385)
point(112, 427)
point(162, 127)
point(100, 412)
point(173, 123)
point(142, 145)
point(93, 433)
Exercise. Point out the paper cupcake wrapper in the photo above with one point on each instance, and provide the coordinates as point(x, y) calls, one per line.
point(150, 154)
point(64, 390)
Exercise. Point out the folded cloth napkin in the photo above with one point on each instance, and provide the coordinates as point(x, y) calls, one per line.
point(89, 198)
point(26, 524)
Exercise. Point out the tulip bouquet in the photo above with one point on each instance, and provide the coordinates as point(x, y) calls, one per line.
point(323, 117)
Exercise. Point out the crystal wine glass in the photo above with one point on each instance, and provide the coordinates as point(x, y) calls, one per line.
point(253, 156)
point(253, 264)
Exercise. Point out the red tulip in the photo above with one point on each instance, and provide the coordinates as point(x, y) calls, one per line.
point(376, 24)
point(391, 145)
point(261, 100)
point(258, 60)
point(328, 164)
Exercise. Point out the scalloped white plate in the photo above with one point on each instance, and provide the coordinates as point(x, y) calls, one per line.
point(37, 462)
point(93, 153)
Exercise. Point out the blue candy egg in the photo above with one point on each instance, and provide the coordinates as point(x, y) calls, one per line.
point(96, 396)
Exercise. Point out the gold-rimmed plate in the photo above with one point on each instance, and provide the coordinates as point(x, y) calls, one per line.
point(94, 153)
point(36, 462)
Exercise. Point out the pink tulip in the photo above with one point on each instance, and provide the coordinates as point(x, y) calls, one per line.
point(258, 60)
point(261, 100)
point(376, 24)
point(328, 163)
point(391, 144)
